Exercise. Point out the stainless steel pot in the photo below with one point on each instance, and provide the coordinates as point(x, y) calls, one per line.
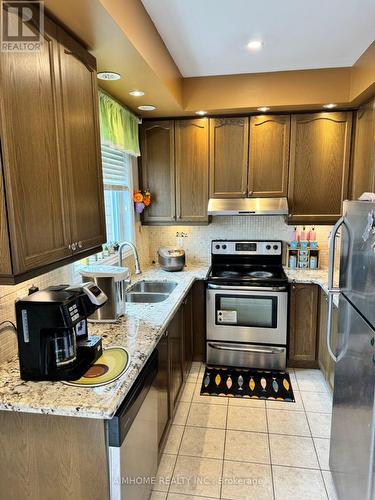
point(171, 258)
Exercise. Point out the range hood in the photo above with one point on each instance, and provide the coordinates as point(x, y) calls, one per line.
point(248, 206)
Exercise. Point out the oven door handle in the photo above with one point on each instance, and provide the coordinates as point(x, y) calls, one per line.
point(253, 288)
point(264, 350)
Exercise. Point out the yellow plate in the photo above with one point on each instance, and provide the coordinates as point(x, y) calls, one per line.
point(109, 367)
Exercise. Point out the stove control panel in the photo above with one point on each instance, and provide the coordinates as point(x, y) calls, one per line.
point(225, 247)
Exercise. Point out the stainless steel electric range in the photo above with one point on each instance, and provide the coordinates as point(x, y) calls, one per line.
point(247, 305)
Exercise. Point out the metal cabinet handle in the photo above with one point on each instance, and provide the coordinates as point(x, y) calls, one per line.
point(331, 289)
point(273, 350)
point(73, 247)
point(80, 244)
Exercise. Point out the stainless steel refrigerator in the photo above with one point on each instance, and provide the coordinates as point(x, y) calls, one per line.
point(352, 432)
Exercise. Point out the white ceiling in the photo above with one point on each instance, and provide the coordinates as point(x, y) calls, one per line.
point(209, 37)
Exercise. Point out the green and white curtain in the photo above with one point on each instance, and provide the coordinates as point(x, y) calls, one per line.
point(118, 126)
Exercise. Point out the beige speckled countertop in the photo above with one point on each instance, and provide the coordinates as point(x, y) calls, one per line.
point(139, 332)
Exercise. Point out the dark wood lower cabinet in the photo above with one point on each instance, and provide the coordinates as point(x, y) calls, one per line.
point(176, 352)
point(199, 320)
point(175, 336)
point(303, 323)
point(161, 384)
point(188, 334)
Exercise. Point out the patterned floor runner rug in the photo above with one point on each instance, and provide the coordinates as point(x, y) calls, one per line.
point(247, 383)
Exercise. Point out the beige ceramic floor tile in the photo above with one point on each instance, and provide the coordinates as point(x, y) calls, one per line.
point(203, 442)
point(197, 476)
point(309, 374)
point(317, 401)
point(330, 487)
point(201, 415)
point(177, 496)
point(322, 450)
point(247, 446)
point(317, 385)
point(187, 393)
point(293, 451)
point(256, 403)
point(174, 439)
point(287, 405)
point(298, 484)
point(246, 481)
point(165, 472)
point(241, 418)
point(194, 372)
point(320, 424)
point(293, 423)
point(181, 413)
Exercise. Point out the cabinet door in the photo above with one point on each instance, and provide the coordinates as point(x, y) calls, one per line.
point(199, 321)
point(192, 170)
point(175, 330)
point(319, 161)
point(5, 262)
point(303, 325)
point(82, 143)
point(323, 355)
point(188, 333)
point(34, 174)
point(363, 161)
point(229, 145)
point(161, 385)
point(158, 170)
point(269, 155)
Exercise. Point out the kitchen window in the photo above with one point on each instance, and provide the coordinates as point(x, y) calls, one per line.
point(118, 189)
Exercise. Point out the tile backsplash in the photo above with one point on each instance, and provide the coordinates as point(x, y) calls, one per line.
point(197, 241)
point(149, 239)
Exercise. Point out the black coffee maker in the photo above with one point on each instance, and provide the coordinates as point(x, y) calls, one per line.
point(53, 341)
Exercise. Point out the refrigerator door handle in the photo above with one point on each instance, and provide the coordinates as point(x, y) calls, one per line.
point(331, 289)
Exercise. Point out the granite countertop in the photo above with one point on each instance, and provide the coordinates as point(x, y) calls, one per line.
point(139, 332)
point(316, 276)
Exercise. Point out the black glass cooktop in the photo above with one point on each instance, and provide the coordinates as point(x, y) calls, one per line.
point(248, 273)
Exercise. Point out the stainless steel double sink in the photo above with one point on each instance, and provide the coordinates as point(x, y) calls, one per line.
point(149, 292)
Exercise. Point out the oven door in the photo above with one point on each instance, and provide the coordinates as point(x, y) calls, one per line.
point(244, 314)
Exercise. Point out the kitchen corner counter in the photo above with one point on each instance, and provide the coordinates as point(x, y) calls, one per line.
point(315, 277)
point(138, 332)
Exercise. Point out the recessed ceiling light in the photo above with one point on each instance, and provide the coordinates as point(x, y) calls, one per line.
point(108, 75)
point(136, 93)
point(147, 107)
point(263, 109)
point(329, 106)
point(201, 113)
point(255, 44)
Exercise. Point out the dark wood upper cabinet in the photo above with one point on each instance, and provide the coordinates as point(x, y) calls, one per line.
point(5, 262)
point(51, 182)
point(158, 170)
point(191, 148)
point(269, 155)
point(229, 147)
point(319, 166)
point(35, 180)
point(363, 160)
point(303, 325)
point(82, 143)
